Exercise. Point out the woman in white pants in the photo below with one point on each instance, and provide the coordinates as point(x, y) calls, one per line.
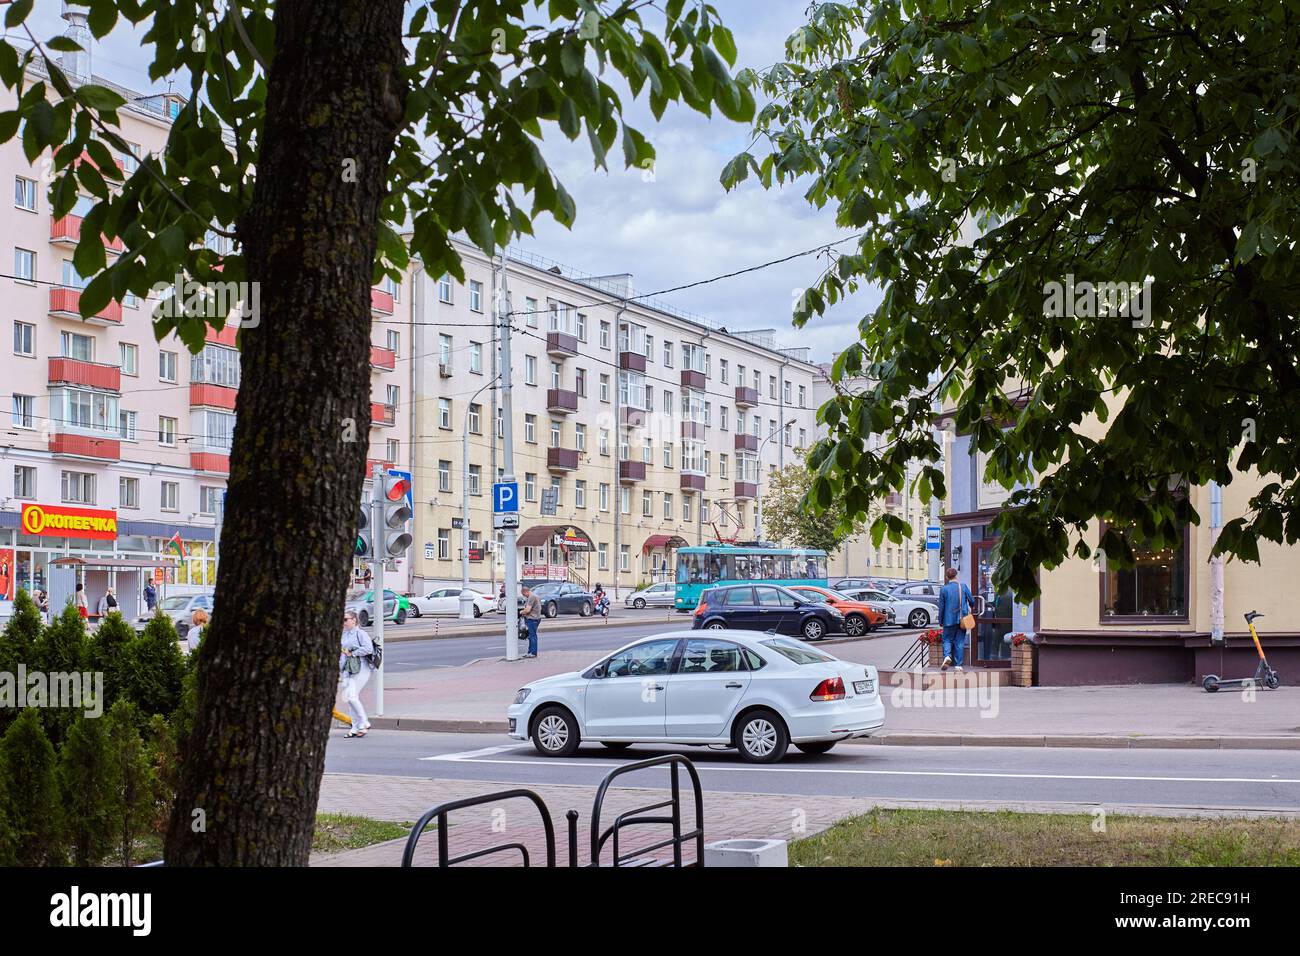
point(354, 671)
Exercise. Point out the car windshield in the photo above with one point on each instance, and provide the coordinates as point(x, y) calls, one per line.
point(175, 603)
point(797, 652)
point(838, 595)
point(546, 589)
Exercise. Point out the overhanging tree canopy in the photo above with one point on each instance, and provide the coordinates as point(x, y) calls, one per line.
point(1103, 140)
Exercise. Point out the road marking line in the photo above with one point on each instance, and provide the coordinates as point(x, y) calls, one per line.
point(472, 754)
point(546, 761)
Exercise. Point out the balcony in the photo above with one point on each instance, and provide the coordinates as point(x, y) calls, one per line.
point(67, 232)
point(83, 446)
point(561, 344)
point(630, 471)
point(746, 489)
point(85, 157)
point(68, 371)
point(631, 361)
point(692, 429)
point(693, 379)
point(213, 396)
point(746, 442)
point(382, 359)
point(561, 401)
point(381, 414)
point(746, 397)
point(693, 482)
point(562, 459)
point(372, 462)
point(210, 461)
point(65, 303)
point(381, 302)
point(633, 417)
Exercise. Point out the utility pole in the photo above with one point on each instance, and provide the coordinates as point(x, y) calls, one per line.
point(377, 585)
point(1216, 565)
point(508, 467)
point(758, 485)
point(466, 599)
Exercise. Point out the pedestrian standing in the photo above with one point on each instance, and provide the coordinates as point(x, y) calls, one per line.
point(354, 671)
point(79, 599)
point(198, 621)
point(107, 603)
point(532, 612)
point(955, 603)
point(150, 596)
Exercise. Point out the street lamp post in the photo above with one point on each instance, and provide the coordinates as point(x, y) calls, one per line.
point(758, 483)
point(467, 599)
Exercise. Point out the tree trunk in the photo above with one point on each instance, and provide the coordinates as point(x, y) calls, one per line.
point(252, 767)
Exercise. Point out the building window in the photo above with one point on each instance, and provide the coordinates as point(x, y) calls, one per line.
point(722, 467)
point(555, 375)
point(476, 357)
point(24, 481)
point(78, 487)
point(444, 413)
point(723, 371)
point(530, 370)
point(557, 486)
point(556, 434)
point(803, 397)
point(24, 338)
point(171, 496)
point(209, 500)
point(624, 557)
point(1155, 587)
point(126, 425)
point(668, 506)
point(803, 438)
point(686, 508)
point(393, 448)
point(166, 431)
point(668, 454)
point(647, 504)
point(722, 417)
point(476, 479)
point(444, 289)
point(771, 386)
point(74, 345)
point(668, 354)
point(580, 382)
point(604, 497)
point(649, 348)
point(129, 358)
point(444, 352)
point(530, 486)
point(475, 296)
point(501, 423)
point(602, 556)
point(580, 437)
point(25, 193)
point(167, 366)
point(581, 327)
point(530, 305)
point(624, 499)
point(24, 265)
point(444, 475)
point(444, 544)
point(604, 441)
point(394, 394)
point(394, 339)
point(215, 365)
point(530, 429)
point(604, 388)
point(789, 435)
point(24, 411)
point(580, 493)
point(604, 335)
point(476, 419)
point(785, 393)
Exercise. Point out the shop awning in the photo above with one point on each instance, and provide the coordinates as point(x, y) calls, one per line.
point(663, 541)
point(115, 564)
point(571, 537)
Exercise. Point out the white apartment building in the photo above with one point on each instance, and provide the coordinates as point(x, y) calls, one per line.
point(106, 422)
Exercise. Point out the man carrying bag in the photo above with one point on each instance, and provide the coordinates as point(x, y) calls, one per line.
point(957, 618)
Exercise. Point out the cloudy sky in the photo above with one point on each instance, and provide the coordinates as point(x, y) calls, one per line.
point(675, 227)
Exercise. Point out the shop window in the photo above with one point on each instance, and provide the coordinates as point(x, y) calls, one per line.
point(1154, 589)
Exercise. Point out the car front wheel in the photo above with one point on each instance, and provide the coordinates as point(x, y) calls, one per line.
point(715, 626)
point(813, 629)
point(855, 625)
point(552, 609)
point(585, 610)
point(478, 612)
point(639, 604)
point(363, 619)
point(761, 737)
point(555, 733)
point(918, 618)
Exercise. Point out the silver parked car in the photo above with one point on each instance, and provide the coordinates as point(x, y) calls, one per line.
point(178, 607)
point(656, 595)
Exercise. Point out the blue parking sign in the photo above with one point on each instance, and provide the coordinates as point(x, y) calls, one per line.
point(505, 497)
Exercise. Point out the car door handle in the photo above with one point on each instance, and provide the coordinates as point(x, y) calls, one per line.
point(657, 687)
point(734, 685)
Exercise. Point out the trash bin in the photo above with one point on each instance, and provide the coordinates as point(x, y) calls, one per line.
point(746, 853)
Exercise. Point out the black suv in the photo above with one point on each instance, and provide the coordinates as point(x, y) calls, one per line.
point(766, 607)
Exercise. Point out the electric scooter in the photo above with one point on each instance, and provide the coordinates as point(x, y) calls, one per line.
point(1264, 675)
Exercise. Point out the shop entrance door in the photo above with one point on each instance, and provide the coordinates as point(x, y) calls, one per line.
point(992, 611)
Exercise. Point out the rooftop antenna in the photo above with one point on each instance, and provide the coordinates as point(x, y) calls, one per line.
point(76, 63)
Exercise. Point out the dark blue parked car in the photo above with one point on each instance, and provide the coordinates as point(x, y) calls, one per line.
point(765, 607)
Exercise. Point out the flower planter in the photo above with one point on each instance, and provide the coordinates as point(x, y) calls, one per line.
point(1024, 664)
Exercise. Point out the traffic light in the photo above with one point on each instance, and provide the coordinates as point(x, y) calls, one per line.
point(363, 548)
point(397, 515)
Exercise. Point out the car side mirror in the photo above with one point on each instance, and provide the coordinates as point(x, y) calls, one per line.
point(598, 671)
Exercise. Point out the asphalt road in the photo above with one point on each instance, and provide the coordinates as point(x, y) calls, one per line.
point(1062, 777)
point(403, 656)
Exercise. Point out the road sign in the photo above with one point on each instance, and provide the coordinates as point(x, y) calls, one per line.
point(457, 523)
point(933, 537)
point(502, 521)
point(550, 501)
point(505, 497)
point(428, 550)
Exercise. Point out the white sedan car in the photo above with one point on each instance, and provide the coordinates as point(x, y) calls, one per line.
point(757, 692)
point(908, 612)
point(446, 601)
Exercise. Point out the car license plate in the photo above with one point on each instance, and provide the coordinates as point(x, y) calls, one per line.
point(864, 686)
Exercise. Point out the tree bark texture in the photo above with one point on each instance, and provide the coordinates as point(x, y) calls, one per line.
point(252, 767)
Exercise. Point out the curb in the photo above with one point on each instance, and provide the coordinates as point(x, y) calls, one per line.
point(439, 725)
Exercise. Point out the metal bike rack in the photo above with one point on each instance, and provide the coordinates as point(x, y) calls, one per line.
point(632, 817)
point(443, 809)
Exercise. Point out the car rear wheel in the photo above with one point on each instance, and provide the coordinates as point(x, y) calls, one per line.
point(585, 610)
point(918, 618)
point(552, 609)
point(855, 625)
point(817, 746)
point(363, 619)
point(478, 612)
point(639, 604)
point(813, 629)
point(401, 616)
point(761, 737)
point(715, 626)
point(555, 733)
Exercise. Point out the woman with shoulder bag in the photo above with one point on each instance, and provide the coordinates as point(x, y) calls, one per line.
point(957, 619)
point(354, 671)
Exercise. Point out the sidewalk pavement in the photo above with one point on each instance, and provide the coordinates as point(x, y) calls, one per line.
point(474, 697)
point(430, 627)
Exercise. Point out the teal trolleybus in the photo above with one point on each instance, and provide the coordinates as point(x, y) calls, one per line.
point(712, 565)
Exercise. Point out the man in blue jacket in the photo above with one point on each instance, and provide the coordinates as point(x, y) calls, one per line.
point(955, 602)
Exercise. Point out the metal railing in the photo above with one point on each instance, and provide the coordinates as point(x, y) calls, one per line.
point(443, 809)
point(633, 818)
point(918, 655)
